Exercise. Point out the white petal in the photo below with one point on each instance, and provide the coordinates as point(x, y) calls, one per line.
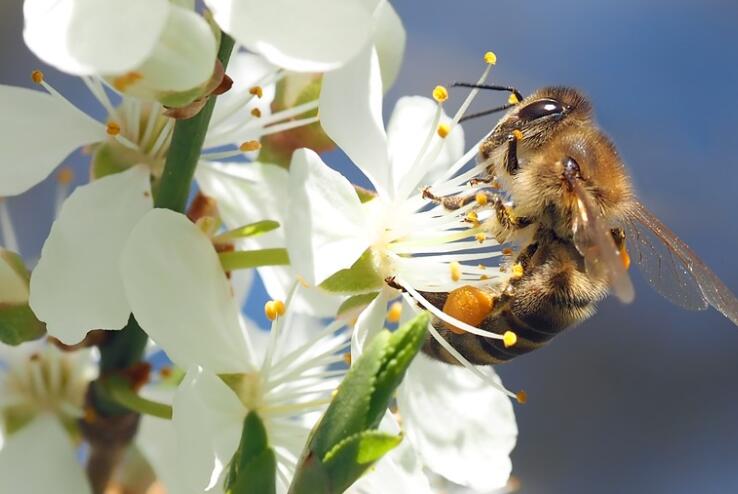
point(184, 56)
point(37, 131)
point(253, 192)
point(41, 458)
point(180, 295)
point(389, 41)
point(398, 471)
point(351, 115)
point(326, 227)
point(369, 323)
point(76, 286)
point(208, 418)
point(408, 131)
point(93, 36)
point(461, 428)
point(314, 36)
point(157, 440)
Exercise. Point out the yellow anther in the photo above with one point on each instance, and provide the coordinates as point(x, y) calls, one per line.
point(467, 304)
point(256, 112)
point(481, 198)
point(302, 281)
point(270, 310)
point(37, 76)
point(394, 312)
point(207, 225)
point(481, 237)
point(472, 218)
point(507, 251)
point(65, 176)
point(513, 99)
point(490, 58)
point(440, 94)
point(455, 269)
point(443, 130)
point(279, 307)
point(112, 128)
point(522, 397)
point(509, 339)
point(250, 146)
point(483, 277)
point(481, 266)
point(517, 134)
point(347, 358)
point(517, 270)
point(495, 185)
point(257, 91)
point(166, 372)
point(125, 81)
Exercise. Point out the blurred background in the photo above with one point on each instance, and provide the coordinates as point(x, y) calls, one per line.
point(640, 398)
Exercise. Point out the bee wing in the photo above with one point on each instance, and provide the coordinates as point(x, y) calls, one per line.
point(673, 269)
point(594, 241)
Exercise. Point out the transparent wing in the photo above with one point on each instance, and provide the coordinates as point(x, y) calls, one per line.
point(673, 269)
point(594, 241)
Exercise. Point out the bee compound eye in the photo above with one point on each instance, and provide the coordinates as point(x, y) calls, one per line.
point(541, 108)
point(571, 168)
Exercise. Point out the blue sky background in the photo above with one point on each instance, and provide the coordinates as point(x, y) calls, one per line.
point(641, 398)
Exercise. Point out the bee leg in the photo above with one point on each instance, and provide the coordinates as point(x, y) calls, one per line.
point(453, 203)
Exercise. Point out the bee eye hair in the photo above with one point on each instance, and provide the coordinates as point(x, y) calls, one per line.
point(539, 109)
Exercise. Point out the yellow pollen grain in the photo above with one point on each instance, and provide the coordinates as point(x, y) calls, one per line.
point(37, 76)
point(481, 237)
point(513, 99)
point(257, 91)
point(467, 304)
point(443, 130)
point(112, 128)
point(509, 339)
point(507, 251)
point(394, 313)
point(440, 94)
point(280, 307)
point(625, 257)
point(472, 218)
point(522, 397)
point(255, 112)
point(483, 277)
point(495, 185)
point(517, 134)
point(481, 198)
point(65, 176)
point(517, 270)
point(490, 58)
point(455, 269)
point(126, 80)
point(250, 146)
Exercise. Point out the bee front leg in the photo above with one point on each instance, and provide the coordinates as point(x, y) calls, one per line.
point(505, 223)
point(453, 203)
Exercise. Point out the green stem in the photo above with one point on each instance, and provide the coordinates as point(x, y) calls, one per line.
point(184, 151)
point(253, 259)
point(120, 390)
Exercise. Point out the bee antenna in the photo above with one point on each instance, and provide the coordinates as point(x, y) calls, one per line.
point(489, 87)
point(487, 112)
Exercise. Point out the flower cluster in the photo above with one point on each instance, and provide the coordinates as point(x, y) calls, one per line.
point(204, 173)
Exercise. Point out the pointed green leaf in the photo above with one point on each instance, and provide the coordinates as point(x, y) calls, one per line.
point(352, 306)
point(257, 476)
point(253, 466)
point(18, 324)
point(250, 230)
point(361, 277)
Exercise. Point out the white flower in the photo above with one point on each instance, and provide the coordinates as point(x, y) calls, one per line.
point(316, 36)
point(181, 297)
point(147, 46)
point(42, 392)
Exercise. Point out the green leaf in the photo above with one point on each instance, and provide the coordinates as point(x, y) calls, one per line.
point(253, 467)
point(247, 259)
point(350, 458)
point(250, 230)
point(18, 324)
point(352, 306)
point(361, 277)
point(344, 443)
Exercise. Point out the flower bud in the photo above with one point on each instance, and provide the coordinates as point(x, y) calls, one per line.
point(17, 322)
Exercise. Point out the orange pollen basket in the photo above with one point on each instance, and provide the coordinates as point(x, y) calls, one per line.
point(468, 304)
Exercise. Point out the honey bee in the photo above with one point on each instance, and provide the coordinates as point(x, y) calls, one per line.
point(574, 218)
